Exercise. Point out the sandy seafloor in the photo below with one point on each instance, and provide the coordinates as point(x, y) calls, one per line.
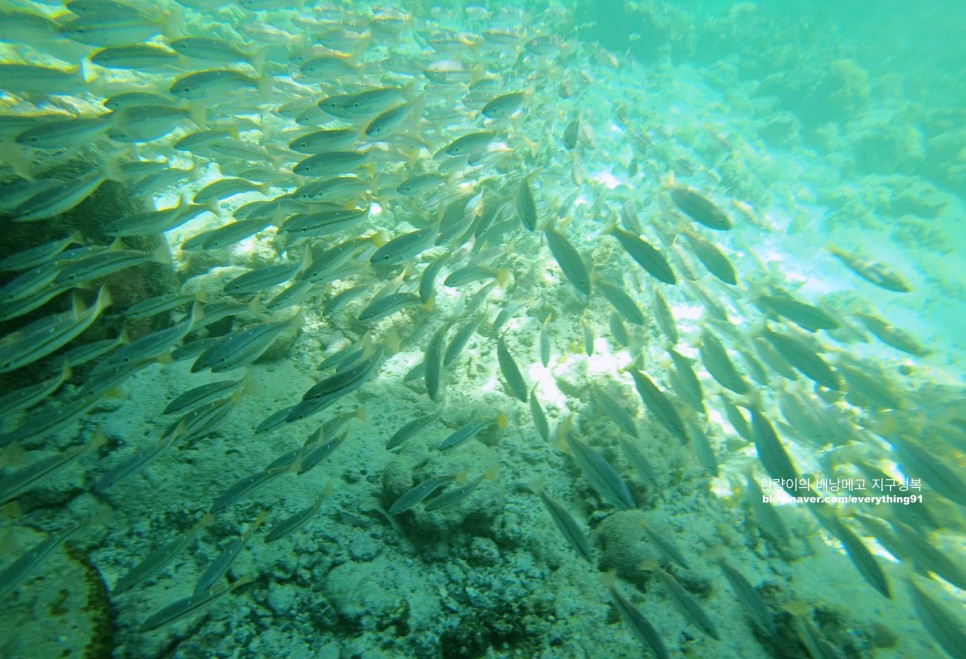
point(492, 575)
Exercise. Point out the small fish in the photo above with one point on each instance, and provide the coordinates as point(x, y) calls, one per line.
point(612, 409)
point(59, 199)
point(315, 450)
point(24, 398)
point(372, 101)
point(945, 626)
point(859, 554)
point(503, 106)
point(466, 432)
point(545, 341)
point(386, 305)
point(219, 567)
point(151, 346)
point(21, 569)
point(715, 358)
point(752, 602)
point(770, 450)
point(871, 271)
point(298, 520)
point(427, 280)
point(341, 361)
point(660, 405)
point(267, 277)
point(159, 304)
point(868, 387)
point(773, 359)
point(767, 519)
point(565, 523)
point(136, 99)
point(702, 447)
point(224, 188)
point(685, 382)
point(336, 302)
point(478, 299)
point(539, 418)
point(28, 284)
point(66, 133)
point(331, 139)
point(137, 57)
point(153, 223)
point(202, 395)
point(945, 479)
point(108, 262)
point(386, 123)
point(334, 190)
point(469, 145)
point(589, 338)
point(421, 491)
point(138, 461)
point(642, 629)
point(32, 79)
point(43, 422)
point(159, 559)
point(457, 215)
point(410, 430)
point(808, 362)
point(247, 484)
point(460, 339)
point(516, 386)
point(214, 50)
point(214, 84)
point(621, 302)
point(244, 346)
point(644, 254)
point(924, 556)
point(335, 387)
point(526, 207)
point(422, 183)
point(456, 494)
point(23, 479)
point(434, 362)
point(688, 606)
point(404, 247)
point(571, 134)
point(806, 316)
point(331, 163)
point(188, 605)
point(639, 461)
point(569, 260)
point(39, 255)
point(42, 337)
point(599, 473)
point(892, 336)
point(700, 209)
point(115, 29)
point(712, 258)
point(469, 274)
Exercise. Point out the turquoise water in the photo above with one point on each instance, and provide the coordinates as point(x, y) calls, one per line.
point(473, 330)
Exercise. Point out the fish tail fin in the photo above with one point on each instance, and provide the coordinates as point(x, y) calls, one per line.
point(103, 300)
point(257, 60)
point(171, 23)
point(609, 578)
point(536, 485)
point(265, 84)
point(198, 114)
point(161, 254)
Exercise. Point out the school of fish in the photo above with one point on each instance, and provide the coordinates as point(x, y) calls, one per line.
point(418, 199)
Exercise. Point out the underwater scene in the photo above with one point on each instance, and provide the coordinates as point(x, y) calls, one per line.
point(558, 329)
